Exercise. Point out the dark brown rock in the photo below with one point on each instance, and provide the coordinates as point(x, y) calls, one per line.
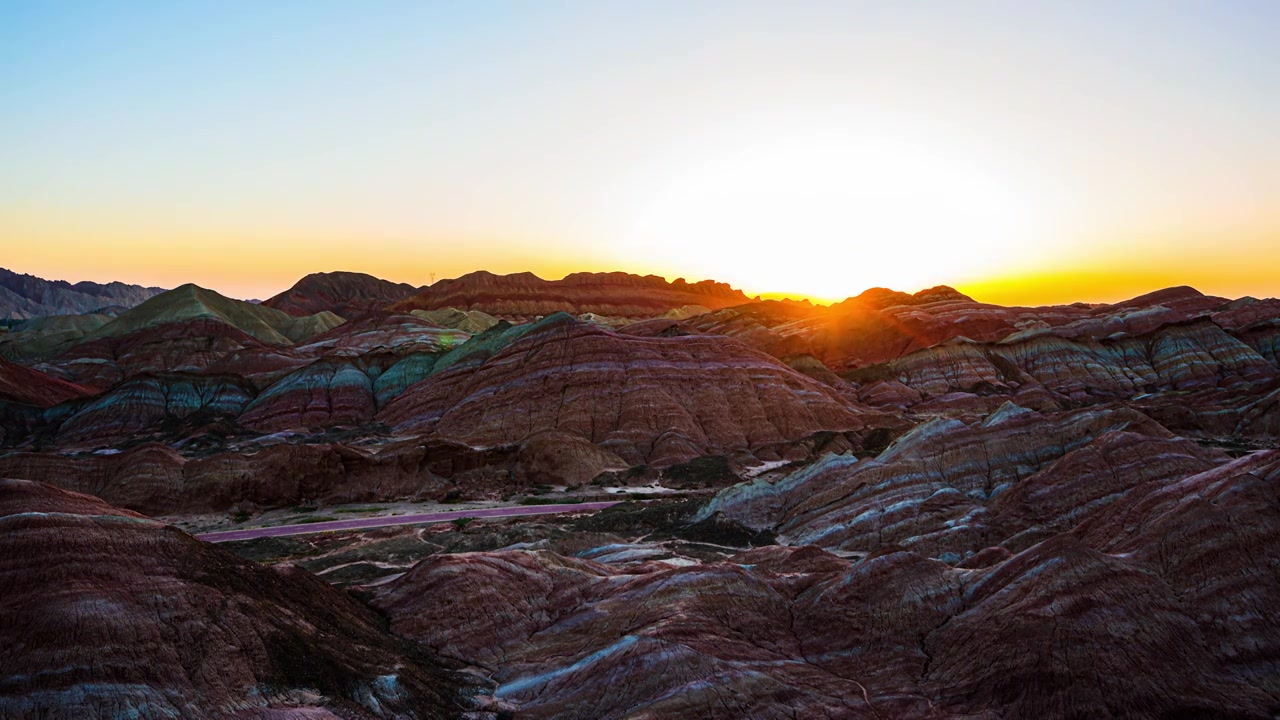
point(106, 614)
point(25, 386)
point(525, 296)
point(347, 294)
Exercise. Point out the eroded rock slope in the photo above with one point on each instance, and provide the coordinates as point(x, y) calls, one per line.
point(106, 614)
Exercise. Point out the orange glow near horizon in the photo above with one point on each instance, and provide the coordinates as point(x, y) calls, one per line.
point(246, 264)
point(1023, 153)
point(268, 273)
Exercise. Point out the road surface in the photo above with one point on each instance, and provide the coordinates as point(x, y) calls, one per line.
point(391, 520)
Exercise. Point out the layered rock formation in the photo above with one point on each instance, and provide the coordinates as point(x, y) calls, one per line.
point(648, 400)
point(212, 346)
point(949, 491)
point(27, 296)
point(1106, 569)
point(43, 337)
point(191, 302)
point(108, 614)
point(152, 404)
point(362, 365)
point(188, 329)
point(525, 296)
point(158, 480)
point(883, 325)
point(470, 321)
point(1193, 375)
point(25, 386)
point(657, 392)
point(178, 366)
point(983, 512)
point(1058, 631)
point(324, 393)
point(346, 294)
point(385, 332)
point(184, 346)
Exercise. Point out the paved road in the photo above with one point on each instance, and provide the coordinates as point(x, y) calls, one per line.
point(390, 520)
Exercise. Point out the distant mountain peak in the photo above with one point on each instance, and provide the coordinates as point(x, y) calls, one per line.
point(346, 294)
point(25, 296)
point(880, 298)
point(191, 302)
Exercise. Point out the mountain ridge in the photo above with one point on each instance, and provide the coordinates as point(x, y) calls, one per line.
point(24, 296)
point(346, 294)
point(523, 296)
point(190, 301)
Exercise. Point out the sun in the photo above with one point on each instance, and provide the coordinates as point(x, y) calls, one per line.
point(827, 211)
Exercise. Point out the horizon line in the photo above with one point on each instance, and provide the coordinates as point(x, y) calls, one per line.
point(782, 296)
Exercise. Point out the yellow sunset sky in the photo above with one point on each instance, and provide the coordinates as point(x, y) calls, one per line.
point(1023, 153)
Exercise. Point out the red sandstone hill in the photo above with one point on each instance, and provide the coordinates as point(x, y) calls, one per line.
point(615, 294)
point(657, 391)
point(1080, 565)
point(346, 294)
point(657, 400)
point(30, 387)
point(106, 614)
point(882, 325)
point(155, 479)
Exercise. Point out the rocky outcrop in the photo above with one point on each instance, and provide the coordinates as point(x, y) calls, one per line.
point(1196, 368)
point(1213, 540)
point(346, 294)
point(1060, 630)
point(105, 614)
point(153, 404)
point(258, 366)
point(1120, 572)
point(470, 321)
point(849, 337)
point(25, 386)
point(188, 346)
point(27, 296)
point(402, 375)
point(1265, 338)
point(949, 491)
point(363, 365)
point(648, 400)
point(1249, 413)
point(565, 459)
point(323, 394)
point(158, 480)
point(883, 325)
point(711, 641)
point(211, 348)
point(855, 334)
point(525, 296)
point(1063, 631)
point(383, 332)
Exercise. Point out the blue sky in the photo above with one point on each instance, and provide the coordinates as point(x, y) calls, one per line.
point(242, 144)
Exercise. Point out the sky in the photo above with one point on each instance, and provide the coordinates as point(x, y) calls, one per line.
point(1023, 152)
